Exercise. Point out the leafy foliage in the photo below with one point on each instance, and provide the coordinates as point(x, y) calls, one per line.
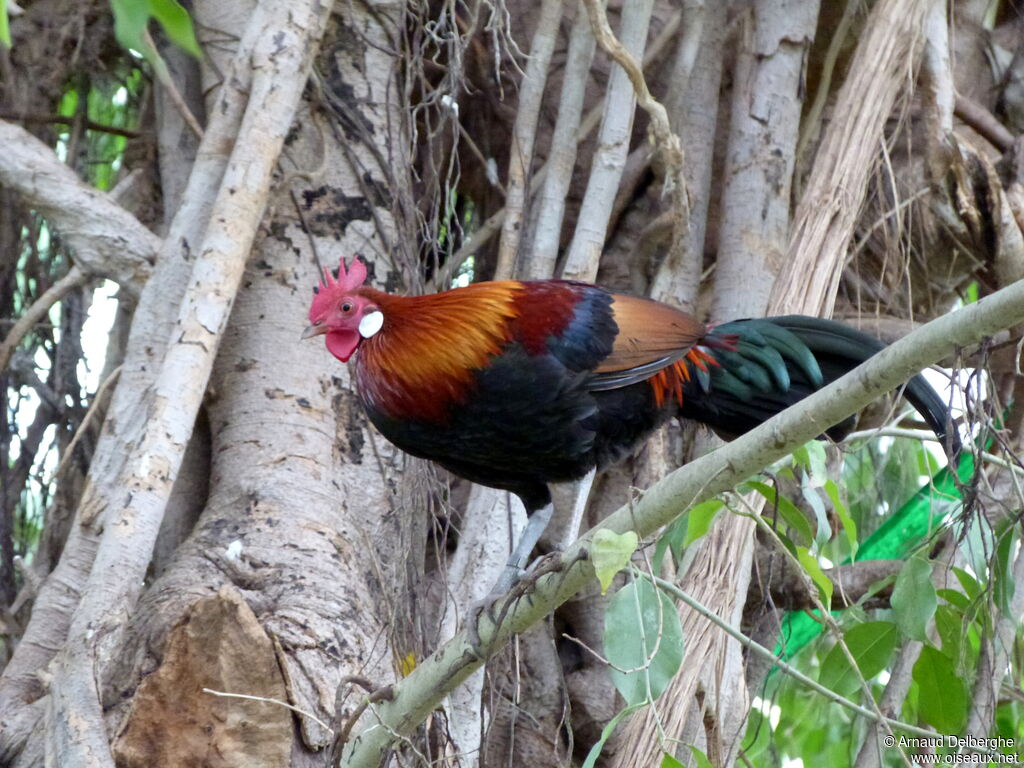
point(611, 553)
point(131, 18)
point(913, 599)
point(5, 29)
point(643, 640)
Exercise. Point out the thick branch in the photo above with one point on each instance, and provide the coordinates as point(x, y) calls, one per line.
point(157, 308)
point(984, 122)
point(665, 139)
point(531, 94)
point(288, 38)
point(550, 209)
point(613, 140)
point(107, 240)
point(824, 221)
point(767, 101)
point(417, 695)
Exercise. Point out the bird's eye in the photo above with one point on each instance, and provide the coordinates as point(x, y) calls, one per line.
point(346, 307)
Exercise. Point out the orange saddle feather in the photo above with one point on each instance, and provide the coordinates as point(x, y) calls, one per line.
point(649, 332)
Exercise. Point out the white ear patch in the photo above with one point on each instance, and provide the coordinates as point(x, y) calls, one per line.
point(371, 323)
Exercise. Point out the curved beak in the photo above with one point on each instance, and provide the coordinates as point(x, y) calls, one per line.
point(313, 330)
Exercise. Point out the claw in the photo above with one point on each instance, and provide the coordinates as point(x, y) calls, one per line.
point(473, 616)
point(513, 584)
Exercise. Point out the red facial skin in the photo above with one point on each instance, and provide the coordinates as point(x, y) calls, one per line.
point(338, 309)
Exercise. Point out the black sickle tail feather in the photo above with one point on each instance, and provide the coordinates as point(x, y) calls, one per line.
point(775, 362)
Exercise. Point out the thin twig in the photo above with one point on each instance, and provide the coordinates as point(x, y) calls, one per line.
point(789, 669)
point(825, 616)
point(280, 703)
point(492, 225)
point(928, 437)
point(666, 140)
point(588, 241)
point(40, 307)
point(20, 117)
point(89, 414)
point(163, 76)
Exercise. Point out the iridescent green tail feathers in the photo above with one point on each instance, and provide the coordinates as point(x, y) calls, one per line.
point(766, 365)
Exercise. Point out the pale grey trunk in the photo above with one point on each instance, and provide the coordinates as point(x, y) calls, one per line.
point(299, 488)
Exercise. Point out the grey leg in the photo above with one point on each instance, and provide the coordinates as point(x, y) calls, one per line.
point(535, 525)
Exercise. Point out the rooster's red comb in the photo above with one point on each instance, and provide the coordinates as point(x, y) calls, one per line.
point(332, 287)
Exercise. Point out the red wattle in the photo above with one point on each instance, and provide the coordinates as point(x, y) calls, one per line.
point(342, 344)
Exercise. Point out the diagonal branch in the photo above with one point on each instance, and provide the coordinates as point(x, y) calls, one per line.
point(418, 694)
point(107, 240)
point(39, 309)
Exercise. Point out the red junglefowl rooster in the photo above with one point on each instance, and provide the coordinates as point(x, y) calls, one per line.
point(515, 385)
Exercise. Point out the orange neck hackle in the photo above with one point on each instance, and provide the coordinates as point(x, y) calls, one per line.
point(422, 362)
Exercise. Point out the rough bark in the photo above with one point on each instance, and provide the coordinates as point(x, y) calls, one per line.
point(768, 85)
point(324, 484)
point(281, 56)
point(886, 58)
point(108, 241)
point(174, 720)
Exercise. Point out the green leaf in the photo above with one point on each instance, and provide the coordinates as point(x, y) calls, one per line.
point(667, 761)
point(814, 501)
point(177, 24)
point(957, 599)
point(950, 626)
point(849, 526)
point(606, 732)
point(671, 535)
point(800, 456)
point(871, 644)
point(789, 511)
point(700, 760)
point(610, 553)
point(972, 293)
point(913, 598)
point(700, 518)
point(131, 18)
point(942, 699)
point(813, 568)
point(644, 639)
point(1002, 571)
point(811, 456)
point(971, 587)
point(5, 29)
